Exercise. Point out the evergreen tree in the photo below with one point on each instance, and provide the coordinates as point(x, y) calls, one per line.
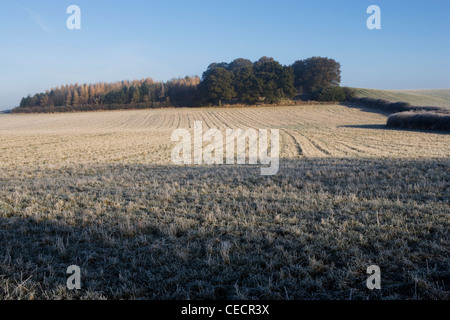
point(75, 99)
point(217, 85)
point(43, 100)
point(144, 92)
point(84, 95)
point(162, 92)
point(69, 99)
point(135, 94)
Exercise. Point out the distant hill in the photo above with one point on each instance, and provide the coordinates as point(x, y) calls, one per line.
point(425, 97)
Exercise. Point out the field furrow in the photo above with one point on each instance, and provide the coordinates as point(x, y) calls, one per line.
point(144, 135)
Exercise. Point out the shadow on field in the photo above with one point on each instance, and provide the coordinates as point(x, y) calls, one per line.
point(367, 126)
point(362, 108)
point(225, 232)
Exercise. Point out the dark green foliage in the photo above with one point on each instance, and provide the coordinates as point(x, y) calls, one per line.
point(213, 66)
point(315, 73)
point(217, 85)
point(286, 82)
point(331, 94)
point(265, 79)
point(133, 95)
point(299, 70)
point(239, 64)
point(245, 84)
point(276, 80)
point(116, 97)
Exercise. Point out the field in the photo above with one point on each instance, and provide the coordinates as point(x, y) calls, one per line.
point(99, 190)
point(431, 97)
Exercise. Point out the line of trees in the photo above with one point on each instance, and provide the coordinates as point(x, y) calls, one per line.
point(137, 93)
point(241, 80)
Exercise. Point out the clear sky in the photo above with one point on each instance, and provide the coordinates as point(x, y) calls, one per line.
point(134, 39)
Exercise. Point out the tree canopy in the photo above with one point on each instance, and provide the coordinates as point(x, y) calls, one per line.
point(316, 73)
point(217, 85)
point(246, 81)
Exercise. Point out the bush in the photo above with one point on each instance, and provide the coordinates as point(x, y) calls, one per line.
point(398, 107)
point(332, 93)
point(394, 107)
point(349, 93)
point(404, 115)
point(427, 120)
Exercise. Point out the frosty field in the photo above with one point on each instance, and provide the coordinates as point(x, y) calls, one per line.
point(99, 190)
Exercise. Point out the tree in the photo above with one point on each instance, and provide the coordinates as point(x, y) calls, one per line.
point(75, 99)
point(26, 102)
point(69, 99)
point(84, 94)
point(213, 66)
point(247, 85)
point(276, 80)
point(134, 94)
point(315, 73)
point(58, 97)
point(217, 85)
point(238, 64)
point(92, 94)
point(43, 100)
point(286, 82)
point(162, 92)
point(144, 92)
point(244, 81)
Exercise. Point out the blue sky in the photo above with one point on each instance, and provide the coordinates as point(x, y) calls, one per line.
point(165, 39)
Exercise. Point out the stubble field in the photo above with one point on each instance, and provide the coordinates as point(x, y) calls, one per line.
point(421, 97)
point(99, 190)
